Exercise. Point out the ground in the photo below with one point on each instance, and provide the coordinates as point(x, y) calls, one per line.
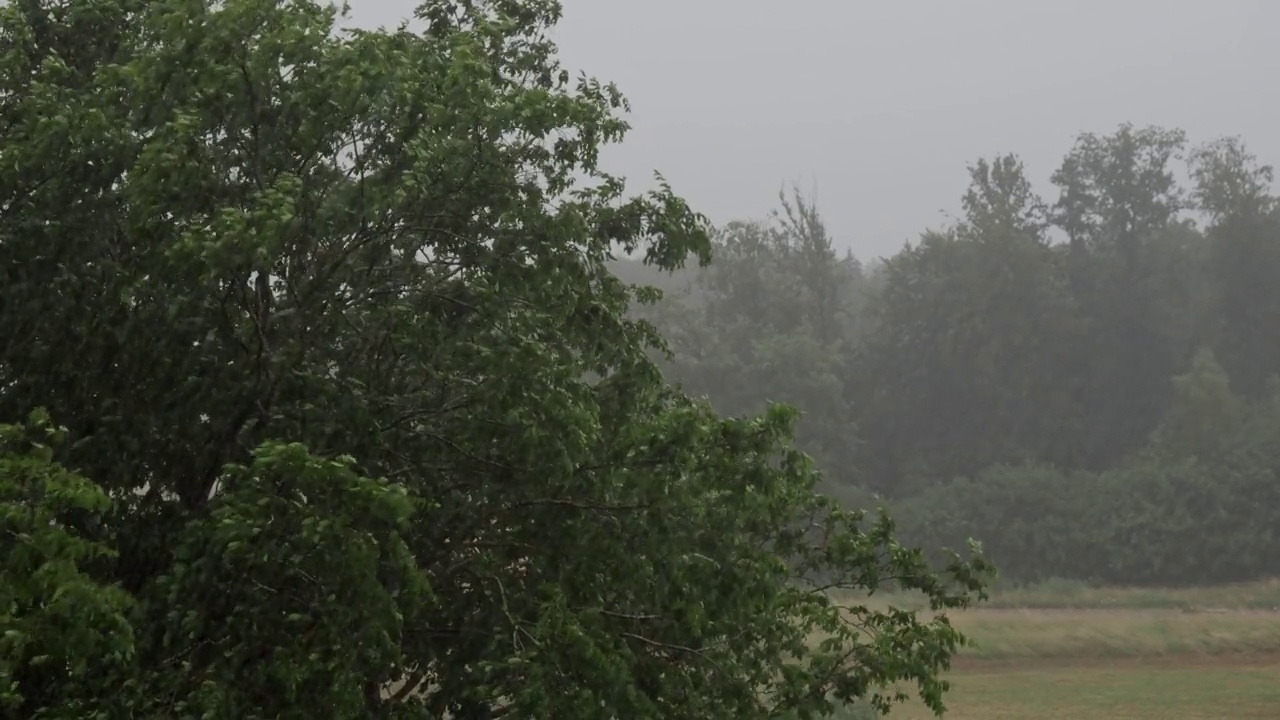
point(1067, 651)
point(1189, 688)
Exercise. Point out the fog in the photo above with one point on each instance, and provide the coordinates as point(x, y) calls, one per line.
point(321, 397)
point(881, 105)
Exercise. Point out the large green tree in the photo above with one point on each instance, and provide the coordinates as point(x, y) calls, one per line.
point(354, 423)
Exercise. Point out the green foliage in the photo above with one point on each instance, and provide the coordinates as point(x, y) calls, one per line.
point(328, 319)
point(967, 353)
point(295, 557)
point(1165, 518)
point(1234, 191)
point(65, 635)
point(1203, 413)
point(1119, 205)
point(774, 319)
point(850, 711)
point(1118, 191)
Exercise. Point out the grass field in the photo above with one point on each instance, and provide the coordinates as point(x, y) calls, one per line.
point(1070, 595)
point(1055, 635)
point(1189, 689)
point(1069, 651)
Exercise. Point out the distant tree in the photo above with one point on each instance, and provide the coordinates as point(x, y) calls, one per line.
point(1099, 409)
point(773, 320)
point(1119, 205)
point(1001, 202)
point(345, 416)
point(1235, 192)
point(973, 356)
point(1204, 411)
point(1117, 191)
point(1229, 182)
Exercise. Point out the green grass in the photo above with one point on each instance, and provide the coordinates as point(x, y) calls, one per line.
point(1067, 650)
point(1072, 595)
point(1065, 621)
point(1023, 635)
point(1262, 595)
point(1191, 691)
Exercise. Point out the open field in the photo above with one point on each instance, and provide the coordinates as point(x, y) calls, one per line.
point(1190, 689)
point(1068, 595)
point(1055, 635)
point(1086, 653)
point(1262, 595)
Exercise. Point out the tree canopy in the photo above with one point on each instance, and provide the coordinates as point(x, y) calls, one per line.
point(319, 399)
point(1086, 383)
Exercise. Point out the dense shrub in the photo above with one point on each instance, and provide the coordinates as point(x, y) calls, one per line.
point(1157, 519)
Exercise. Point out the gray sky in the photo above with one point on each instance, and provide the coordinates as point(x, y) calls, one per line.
point(880, 105)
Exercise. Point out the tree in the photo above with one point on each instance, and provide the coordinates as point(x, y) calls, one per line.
point(972, 360)
point(1119, 205)
point(1204, 411)
point(356, 423)
point(1229, 182)
point(1117, 190)
point(1001, 201)
point(773, 319)
point(1234, 191)
point(64, 633)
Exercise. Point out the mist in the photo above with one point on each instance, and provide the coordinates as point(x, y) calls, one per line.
point(881, 105)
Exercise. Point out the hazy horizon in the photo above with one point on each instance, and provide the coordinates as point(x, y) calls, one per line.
point(881, 106)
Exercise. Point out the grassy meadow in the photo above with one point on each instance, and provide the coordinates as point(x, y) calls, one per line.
point(1189, 689)
point(1065, 650)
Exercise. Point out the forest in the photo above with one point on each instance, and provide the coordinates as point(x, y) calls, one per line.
point(1085, 383)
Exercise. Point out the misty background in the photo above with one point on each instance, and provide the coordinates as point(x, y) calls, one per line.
point(1020, 281)
point(880, 106)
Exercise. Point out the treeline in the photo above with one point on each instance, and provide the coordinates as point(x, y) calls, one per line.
point(1084, 383)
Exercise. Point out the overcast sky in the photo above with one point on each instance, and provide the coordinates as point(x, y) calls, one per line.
point(880, 105)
